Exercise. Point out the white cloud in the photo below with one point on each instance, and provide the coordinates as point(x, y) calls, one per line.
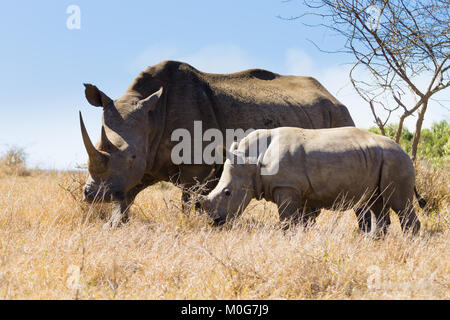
point(215, 58)
point(336, 80)
point(151, 56)
point(221, 58)
point(299, 63)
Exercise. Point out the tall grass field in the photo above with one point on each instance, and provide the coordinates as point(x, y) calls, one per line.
point(52, 246)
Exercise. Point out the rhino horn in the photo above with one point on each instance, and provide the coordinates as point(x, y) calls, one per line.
point(106, 143)
point(97, 159)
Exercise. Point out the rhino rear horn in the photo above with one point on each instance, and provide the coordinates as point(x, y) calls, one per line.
point(231, 154)
point(149, 103)
point(106, 144)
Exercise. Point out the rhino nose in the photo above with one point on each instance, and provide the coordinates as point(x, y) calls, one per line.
point(88, 195)
point(118, 196)
point(219, 221)
point(206, 204)
point(93, 193)
point(202, 201)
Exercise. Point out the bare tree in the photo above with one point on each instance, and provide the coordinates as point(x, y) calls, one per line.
point(402, 46)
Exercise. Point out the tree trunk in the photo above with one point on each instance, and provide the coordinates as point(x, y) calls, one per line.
point(419, 123)
point(398, 134)
point(382, 130)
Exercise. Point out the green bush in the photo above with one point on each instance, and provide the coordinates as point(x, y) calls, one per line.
point(434, 143)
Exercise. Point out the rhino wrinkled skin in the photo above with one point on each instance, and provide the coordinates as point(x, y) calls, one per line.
point(315, 169)
point(134, 150)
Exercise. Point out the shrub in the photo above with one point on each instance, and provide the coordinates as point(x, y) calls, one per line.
point(433, 185)
point(434, 143)
point(13, 162)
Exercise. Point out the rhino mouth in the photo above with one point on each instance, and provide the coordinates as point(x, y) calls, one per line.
point(219, 222)
point(102, 195)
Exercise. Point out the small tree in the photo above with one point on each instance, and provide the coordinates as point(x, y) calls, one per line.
point(434, 142)
point(13, 161)
point(401, 44)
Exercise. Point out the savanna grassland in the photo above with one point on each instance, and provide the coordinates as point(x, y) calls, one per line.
point(52, 246)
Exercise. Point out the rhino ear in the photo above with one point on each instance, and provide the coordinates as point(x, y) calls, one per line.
point(95, 96)
point(259, 162)
point(232, 154)
point(149, 103)
point(234, 146)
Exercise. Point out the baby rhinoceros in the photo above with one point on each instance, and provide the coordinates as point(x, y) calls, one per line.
point(303, 170)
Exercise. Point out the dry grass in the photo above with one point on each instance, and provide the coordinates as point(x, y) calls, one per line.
point(53, 247)
point(13, 163)
point(434, 185)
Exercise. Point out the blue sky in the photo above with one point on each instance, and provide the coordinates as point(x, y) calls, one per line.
point(43, 64)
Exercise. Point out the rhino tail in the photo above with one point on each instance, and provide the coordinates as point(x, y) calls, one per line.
point(422, 202)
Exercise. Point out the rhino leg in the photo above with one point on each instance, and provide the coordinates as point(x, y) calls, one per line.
point(309, 216)
point(289, 208)
point(120, 211)
point(397, 183)
point(409, 220)
point(364, 219)
point(119, 215)
point(405, 211)
point(383, 219)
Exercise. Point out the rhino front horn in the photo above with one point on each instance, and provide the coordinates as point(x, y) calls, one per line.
point(97, 160)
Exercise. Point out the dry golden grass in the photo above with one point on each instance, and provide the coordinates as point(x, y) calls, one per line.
point(13, 163)
point(434, 185)
point(52, 246)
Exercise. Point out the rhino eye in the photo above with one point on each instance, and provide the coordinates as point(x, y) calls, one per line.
point(227, 192)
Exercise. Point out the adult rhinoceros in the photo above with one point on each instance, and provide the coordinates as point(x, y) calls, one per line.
point(135, 146)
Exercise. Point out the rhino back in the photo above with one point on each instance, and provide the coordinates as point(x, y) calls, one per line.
point(327, 163)
point(253, 98)
point(272, 100)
